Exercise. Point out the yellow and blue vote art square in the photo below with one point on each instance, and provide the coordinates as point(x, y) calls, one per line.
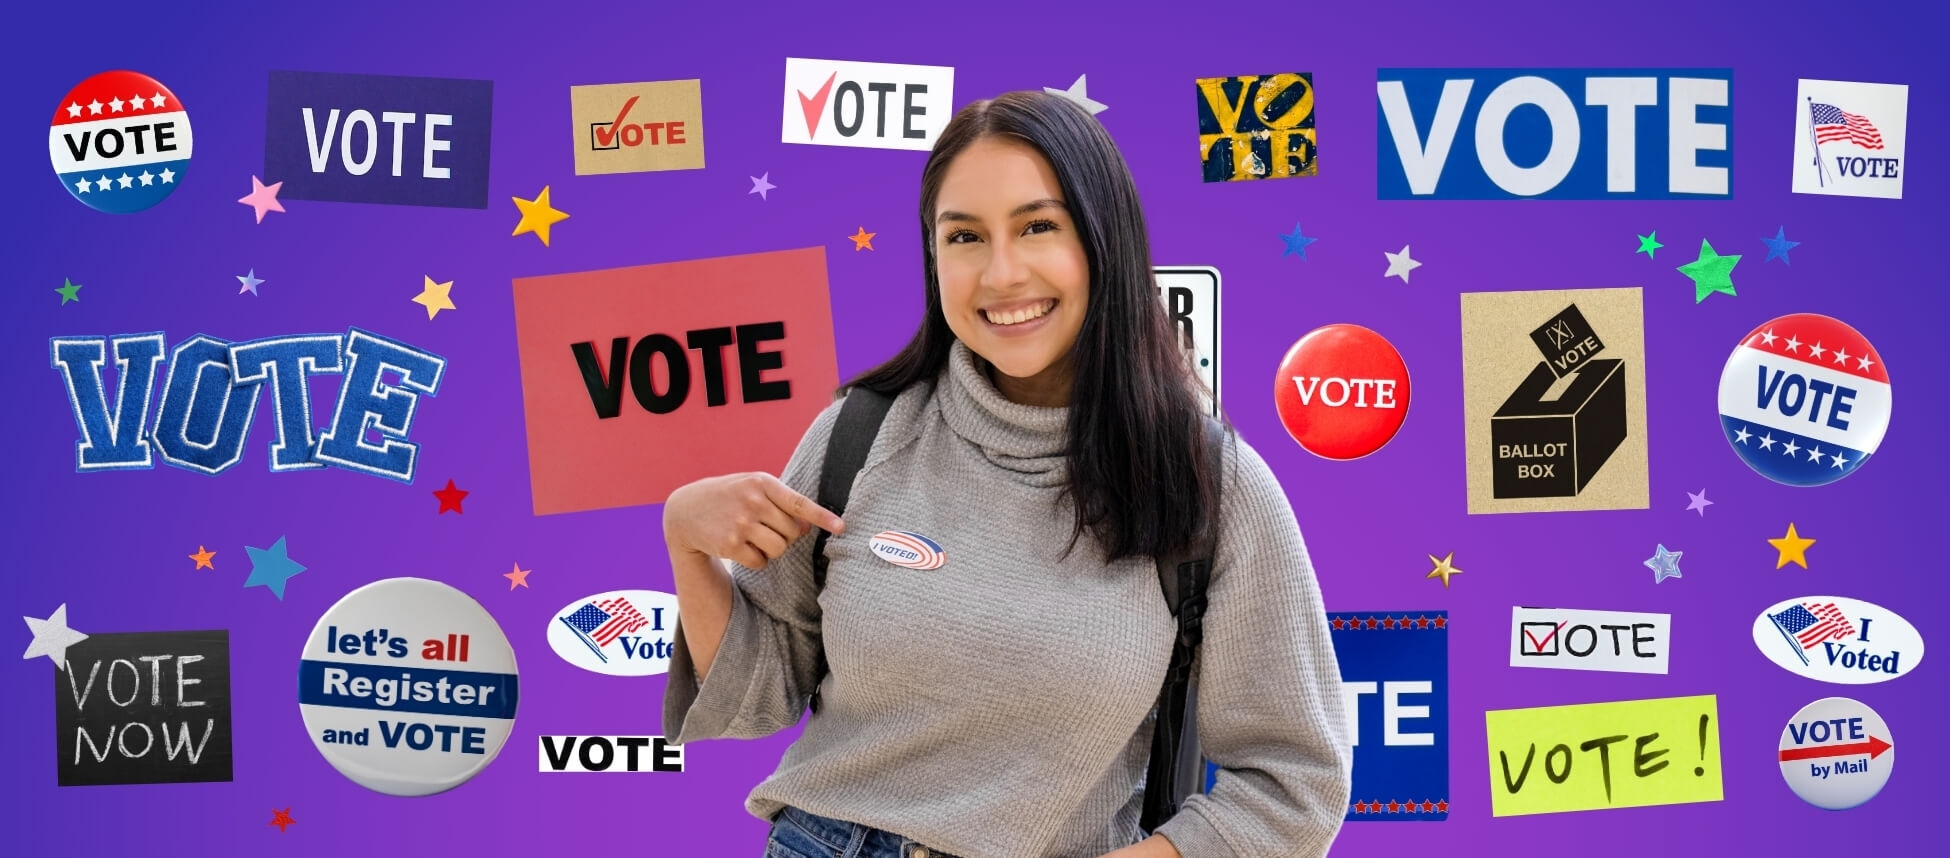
point(1257, 127)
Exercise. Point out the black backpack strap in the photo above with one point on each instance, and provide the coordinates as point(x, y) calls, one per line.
point(846, 453)
point(1177, 768)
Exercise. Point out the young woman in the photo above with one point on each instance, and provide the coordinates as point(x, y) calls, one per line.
point(1047, 435)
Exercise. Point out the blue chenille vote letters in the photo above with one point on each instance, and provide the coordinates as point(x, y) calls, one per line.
point(1564, 134)
point(210, 392)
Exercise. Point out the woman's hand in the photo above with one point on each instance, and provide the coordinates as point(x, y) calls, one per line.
point(749, 518)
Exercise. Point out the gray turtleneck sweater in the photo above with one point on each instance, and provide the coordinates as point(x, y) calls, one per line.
point(999, 706)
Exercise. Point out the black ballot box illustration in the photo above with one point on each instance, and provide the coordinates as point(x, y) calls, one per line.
point(1553, 434)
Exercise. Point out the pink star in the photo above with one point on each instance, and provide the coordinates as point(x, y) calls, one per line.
point(263, 198)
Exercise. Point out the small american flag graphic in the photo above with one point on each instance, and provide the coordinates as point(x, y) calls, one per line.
point(1835, 124)
point(600, 623)
point(1808, 624)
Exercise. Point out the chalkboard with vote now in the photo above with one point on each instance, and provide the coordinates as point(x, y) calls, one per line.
point(144, 708)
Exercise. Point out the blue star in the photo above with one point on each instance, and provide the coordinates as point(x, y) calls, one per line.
point(1296, 243)
point(271, 568)
point(1664, 564)
point(1779, 246)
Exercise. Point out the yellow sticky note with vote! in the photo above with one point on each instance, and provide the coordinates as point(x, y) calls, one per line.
point(1596, 756)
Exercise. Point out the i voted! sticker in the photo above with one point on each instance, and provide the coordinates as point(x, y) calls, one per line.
point(408, 687)
point(907, 548)
point(1804, 400)
point(1836, 753)
point(1342, 391)
point(1840, 640)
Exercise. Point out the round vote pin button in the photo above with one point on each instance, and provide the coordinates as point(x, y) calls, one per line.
point(408, 687)
point(1342, 391)
point(120, 142)
point(1836, 753)
point(1804, 399)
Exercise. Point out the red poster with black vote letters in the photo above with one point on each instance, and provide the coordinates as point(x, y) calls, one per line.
point(638, 380)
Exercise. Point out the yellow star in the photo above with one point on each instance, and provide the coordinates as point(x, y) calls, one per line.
point(537, 216)
point(1443, 570)
point(1792, 547)
point(862, 240)
point(433, 296)
point(202, 558)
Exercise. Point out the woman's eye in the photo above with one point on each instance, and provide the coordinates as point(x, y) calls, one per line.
point(957, 236)
point(1040, 223)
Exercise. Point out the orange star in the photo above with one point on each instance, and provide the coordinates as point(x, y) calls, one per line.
point(1793, 548)
point(862, 240)
point(202, 558)
point(282, 818)
point(1443, 569)
point(450, 498)
point(517, 578)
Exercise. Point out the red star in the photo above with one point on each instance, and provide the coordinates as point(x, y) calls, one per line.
point(1340, 623)
point(1421, 622)
point(1393, 807)
point(281, 818)
point(1358, 807)
point(1442, 807)
point(450, 498)
point(1428, 806)
point(1371, 622)
point(1440, 622)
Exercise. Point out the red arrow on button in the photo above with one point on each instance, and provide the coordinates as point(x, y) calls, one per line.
point(1874, 748)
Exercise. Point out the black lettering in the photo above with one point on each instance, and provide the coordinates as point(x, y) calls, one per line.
point(1522, 774)
point(1604, 758)
point(557, 759)
point(1616, 647)
point(165, 131)
point(604, 393)
point(664, 759)
point(631, 744)
point(711, 342)
point(1636, 640)
point(752, 362)
point(101, 142)
point(859, 108)
point(136, 132)
point(643, 385)
point(1180, 300)
point(880, 119)
point(1589, 631)
point(907, 120)
point(80, 150)
point(589, 759)
point(1640, 758)
point(1550, 771)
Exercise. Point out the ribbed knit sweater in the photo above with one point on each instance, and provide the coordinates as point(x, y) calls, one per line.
point(1000, 706)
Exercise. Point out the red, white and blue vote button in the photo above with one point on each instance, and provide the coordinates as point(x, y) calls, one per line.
point(120, 142)
point(1804, 399)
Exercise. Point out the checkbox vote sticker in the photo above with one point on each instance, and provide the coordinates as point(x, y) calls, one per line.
point(1597, 756)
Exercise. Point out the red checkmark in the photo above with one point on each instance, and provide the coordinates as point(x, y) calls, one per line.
point(605, 141)
point(816, 105)
point(1538, 645)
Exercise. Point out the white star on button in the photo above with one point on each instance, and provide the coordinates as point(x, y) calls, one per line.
point(1791, 448)
point(116, 105)
point(1741, 435)
point(1841, 356)
point(1767, 337)
point(1794, 345)
point(1816, 349)
point(74, 109)
point(156, 100)
point(52, 637)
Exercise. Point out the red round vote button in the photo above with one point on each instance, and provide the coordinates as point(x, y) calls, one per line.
point(1342, 392)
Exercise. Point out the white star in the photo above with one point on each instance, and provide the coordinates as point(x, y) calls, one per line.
point(1076, 93)
point(101, 184)
point(135, 103)
point(81, 186)
point(1839, 461)
point(1790, 449)
point(52, 637)
point(168, 175)
point(1767, 337)
point(94, 108)
point(1815, 454)
point(116, 105)
point(1794, 345)
point(126, 180)
point(1767, 441)
point(1741, 435)
point(1399, 264)
point(147, 178)
point(74, 110)
point(156, 100)
point(1862, 363)
point(1841, 356)
point(1816, 349)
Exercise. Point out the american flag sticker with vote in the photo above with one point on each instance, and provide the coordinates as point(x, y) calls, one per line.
point(1805, 399)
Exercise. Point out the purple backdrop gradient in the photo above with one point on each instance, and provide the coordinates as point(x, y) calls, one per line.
point(113, 546)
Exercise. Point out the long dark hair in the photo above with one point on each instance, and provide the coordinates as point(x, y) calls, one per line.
point(1137, 466)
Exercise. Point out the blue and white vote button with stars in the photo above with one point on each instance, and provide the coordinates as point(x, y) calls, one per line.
point(1804, 399)
point(120, 142)
point(408, 687)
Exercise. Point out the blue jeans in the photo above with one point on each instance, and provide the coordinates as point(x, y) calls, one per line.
point(798, 834)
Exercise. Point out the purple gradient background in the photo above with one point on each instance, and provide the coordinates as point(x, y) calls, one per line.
point(112, 546)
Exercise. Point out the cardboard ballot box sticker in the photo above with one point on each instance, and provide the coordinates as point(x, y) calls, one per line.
point(408, 687)
point(637, 380)
point(1554, 400)
point(1342, 391)
point(120, 142)
point(144, 708)
point(1836, 753)
point(1837, 639)
point(1804, 399)
point(1596, 756)
point(619, 633)
point(1615, 641)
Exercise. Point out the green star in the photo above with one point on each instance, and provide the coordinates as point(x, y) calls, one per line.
point(68, 290)
point(1649, 243)
point(1711, 272)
